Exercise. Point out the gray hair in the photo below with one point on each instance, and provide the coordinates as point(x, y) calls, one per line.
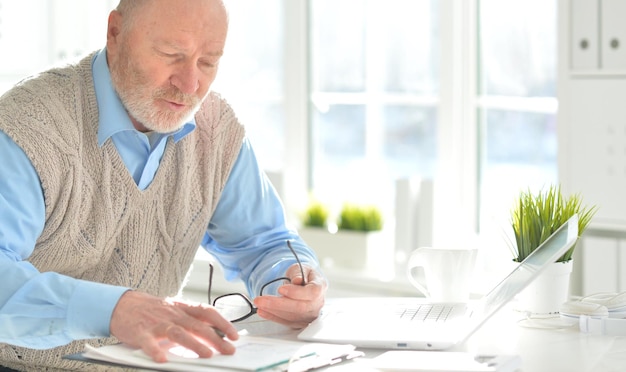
point(127, 8)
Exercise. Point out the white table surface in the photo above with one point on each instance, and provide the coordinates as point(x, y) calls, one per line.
point(541, 349)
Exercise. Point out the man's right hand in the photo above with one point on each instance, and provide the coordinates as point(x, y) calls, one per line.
point(143, 321)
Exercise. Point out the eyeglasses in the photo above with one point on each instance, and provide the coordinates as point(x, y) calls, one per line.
point(236, 306)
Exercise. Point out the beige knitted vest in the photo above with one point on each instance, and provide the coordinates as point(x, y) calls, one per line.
point(99, 225)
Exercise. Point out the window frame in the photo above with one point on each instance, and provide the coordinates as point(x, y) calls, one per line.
point(456, 193)
point(457, 185)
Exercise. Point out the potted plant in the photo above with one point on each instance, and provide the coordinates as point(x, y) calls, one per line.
point(315, 215)
point(536, 216)
point(360, 218)
point(533, 219)
point(352, 243)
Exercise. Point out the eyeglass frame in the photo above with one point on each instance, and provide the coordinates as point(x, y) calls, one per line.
point(253, 309)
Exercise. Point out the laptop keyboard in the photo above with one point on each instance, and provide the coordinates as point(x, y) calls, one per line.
point(431, 313)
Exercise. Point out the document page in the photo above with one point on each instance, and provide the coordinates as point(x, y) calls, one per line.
point(253, 354)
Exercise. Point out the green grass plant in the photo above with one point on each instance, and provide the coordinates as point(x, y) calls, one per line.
point(360, 218)
point(316, 215)
point(537, 216)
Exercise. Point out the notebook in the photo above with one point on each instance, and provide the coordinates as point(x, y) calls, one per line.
point(414, 323)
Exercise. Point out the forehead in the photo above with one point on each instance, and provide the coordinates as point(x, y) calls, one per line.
point(203, 22)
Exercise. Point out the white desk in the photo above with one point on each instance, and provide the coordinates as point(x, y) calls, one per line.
point(548, 350)
point(541, 350)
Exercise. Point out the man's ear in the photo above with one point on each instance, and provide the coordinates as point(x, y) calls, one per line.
point(114, 28)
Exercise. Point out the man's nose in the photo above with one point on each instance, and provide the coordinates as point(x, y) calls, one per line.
point(186, 78)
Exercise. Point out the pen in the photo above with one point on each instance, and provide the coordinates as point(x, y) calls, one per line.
point(219, 333)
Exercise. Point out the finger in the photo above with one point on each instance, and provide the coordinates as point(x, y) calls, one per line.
point(155, 347)
point(143, 321)
point(309, 292)
point(179, 335)
point(295, 275)
point(191, 330)
point(287, 311)
point(216, 321)
point(183, 337)
point(295, 311)
point(297, 324)
point(151, 347)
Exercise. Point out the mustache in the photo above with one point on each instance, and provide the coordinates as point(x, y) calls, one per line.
point(175, 95)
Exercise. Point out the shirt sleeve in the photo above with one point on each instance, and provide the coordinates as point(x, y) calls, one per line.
point(40, 310)
point(248, 232)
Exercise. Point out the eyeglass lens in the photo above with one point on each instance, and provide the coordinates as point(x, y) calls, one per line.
point(236, 306)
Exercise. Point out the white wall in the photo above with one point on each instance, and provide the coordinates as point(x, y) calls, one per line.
point(592, 134)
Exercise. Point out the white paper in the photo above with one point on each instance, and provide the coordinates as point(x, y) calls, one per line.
point(253, 354)
point(444, 361)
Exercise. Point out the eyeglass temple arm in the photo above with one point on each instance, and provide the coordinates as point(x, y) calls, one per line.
point(298, 260)
point(210, 282)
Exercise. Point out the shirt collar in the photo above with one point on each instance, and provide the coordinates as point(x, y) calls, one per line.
point(111, 113)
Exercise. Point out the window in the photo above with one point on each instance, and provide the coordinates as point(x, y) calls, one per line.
point(374, 82)
point(345, 97)
point(377, 100)
point(516, 101)
point(37, 34)
point(29, 59)
point(251, 75)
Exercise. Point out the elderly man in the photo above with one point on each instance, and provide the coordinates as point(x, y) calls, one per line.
point(116, 169)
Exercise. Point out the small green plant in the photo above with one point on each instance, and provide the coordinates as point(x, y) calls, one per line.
point(360, 218)
point(537, 216)
point(316, 215)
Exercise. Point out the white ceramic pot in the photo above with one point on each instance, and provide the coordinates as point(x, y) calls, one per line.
point(546, 294)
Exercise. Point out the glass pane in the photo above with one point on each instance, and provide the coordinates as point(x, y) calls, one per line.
point(359, 162)
point(338, 44)
point(520, 153)
point(357, 41)
point(25, 42)
point(339, 133)
point(518, 47)
point(251, 76)
point(52, 35)
point(374, 64)
point(410, 133)
point(409, 48)
point(264, 123)
point(517, 58)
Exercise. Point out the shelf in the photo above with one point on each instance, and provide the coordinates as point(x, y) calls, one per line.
point(598, 74)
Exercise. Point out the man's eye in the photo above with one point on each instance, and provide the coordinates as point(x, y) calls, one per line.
point(170, 56)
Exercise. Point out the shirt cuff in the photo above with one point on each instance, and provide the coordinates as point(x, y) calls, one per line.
point(90, 308)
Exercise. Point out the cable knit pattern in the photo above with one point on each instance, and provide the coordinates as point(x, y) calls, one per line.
point(99, 225)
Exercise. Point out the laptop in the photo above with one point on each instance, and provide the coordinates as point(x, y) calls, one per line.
point(414, 323)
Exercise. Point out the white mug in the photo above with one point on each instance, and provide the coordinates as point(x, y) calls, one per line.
point(447, 272)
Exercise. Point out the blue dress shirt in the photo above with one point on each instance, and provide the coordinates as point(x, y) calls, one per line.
point(246, 234)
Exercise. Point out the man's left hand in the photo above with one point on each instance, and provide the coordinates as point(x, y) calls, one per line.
point(297, 305)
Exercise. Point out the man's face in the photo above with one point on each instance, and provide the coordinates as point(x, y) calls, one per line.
point(164, 63)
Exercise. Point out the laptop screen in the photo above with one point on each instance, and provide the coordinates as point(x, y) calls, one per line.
point(547, 253)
